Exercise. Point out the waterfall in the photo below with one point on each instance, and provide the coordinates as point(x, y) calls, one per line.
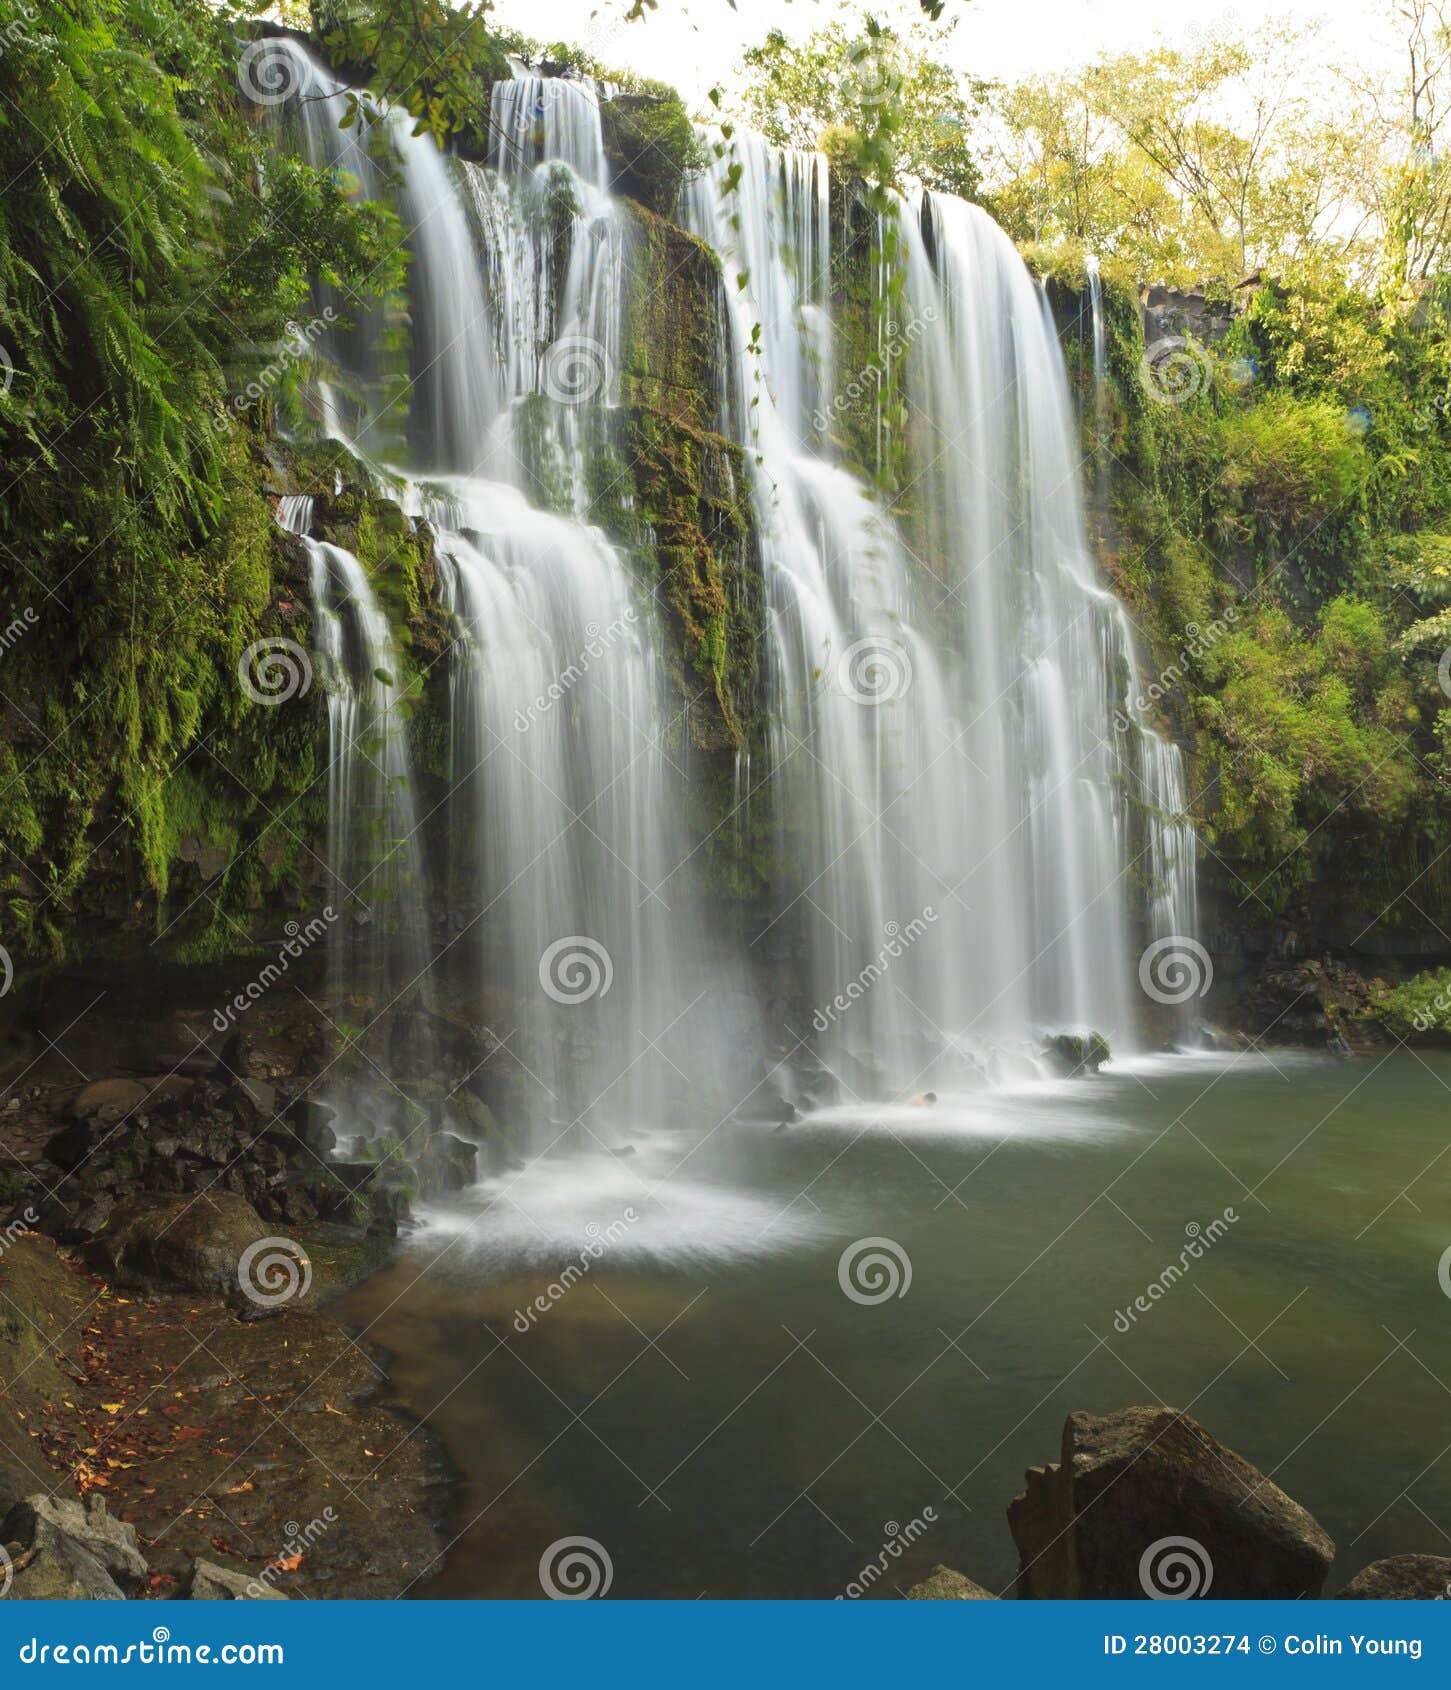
point(969, 807)
point(572, 947)
point(952, 777)
point(378, 951)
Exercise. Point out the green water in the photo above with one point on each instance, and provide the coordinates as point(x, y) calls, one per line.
point(707, 1403)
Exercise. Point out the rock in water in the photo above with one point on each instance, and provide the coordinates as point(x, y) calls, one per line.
point(1401, 1578)
point(220, 1584)
point(1076, 1054)
point(948, 1586)
point(109, 1541)
point(1145, 1503)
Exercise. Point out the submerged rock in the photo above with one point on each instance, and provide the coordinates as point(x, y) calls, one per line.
point(1401, 1578)
point(948, 1586)
point(1145, 1503)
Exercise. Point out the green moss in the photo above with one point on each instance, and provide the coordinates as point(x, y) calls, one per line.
point(651, 146)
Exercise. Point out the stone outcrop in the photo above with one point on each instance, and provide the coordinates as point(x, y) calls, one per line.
point(60, 1549)
point(1401, 1578)
point(1146, 1503)
point(947, 1586)
point(186, 1243)
point(209, 1583)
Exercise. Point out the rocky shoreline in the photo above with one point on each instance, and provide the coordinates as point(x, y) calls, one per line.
point(215, 1453)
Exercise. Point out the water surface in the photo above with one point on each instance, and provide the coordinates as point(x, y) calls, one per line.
point(701, 1396)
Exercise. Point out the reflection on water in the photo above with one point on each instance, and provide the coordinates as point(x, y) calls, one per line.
point(693, 1388)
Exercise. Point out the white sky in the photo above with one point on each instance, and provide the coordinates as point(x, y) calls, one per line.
point(695, 44)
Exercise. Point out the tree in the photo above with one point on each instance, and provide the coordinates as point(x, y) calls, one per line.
point(839, 78)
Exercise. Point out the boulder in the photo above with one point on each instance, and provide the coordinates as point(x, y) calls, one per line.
point(948, 1586)
point(1074, 1054)
point(1145, 1503)
point(192, 1243)
point(88, 1523)
point(311, 1124)
point(447, 1164)
point(51, 1567)
point(1401, 1578)
point(210, 1583)
point(108, 1101)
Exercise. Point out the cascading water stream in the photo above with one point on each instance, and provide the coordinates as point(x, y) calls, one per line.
point(378, 942)
point(944, 701)
point(564, 808)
